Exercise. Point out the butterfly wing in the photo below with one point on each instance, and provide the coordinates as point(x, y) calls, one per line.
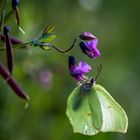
point(84, 112)
point(114, 117)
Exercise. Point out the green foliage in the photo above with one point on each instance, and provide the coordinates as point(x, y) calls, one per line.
point(9, 17)
point(95, 111)
point(47, 38)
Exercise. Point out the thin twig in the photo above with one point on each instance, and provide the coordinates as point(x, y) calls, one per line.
point(64, 51)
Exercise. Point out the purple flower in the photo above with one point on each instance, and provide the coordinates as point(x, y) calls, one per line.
point(90, 48)
point(78, 71)
point(87, 36)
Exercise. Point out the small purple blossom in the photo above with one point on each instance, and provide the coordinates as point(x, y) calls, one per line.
point(90, 48)
point(78, 70)
point(87, 36)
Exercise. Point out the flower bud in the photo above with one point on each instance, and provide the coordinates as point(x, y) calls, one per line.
point(12, 83)
point(87, 36)
point(9, 49)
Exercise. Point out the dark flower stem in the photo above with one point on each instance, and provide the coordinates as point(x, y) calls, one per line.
point(12, 83)
point(64, 51)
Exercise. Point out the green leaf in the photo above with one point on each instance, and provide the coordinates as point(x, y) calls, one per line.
point(94, 110)
point(114, 117)
point(47, 38)
point(84, 111)
point(45, 47)
point(8, 17)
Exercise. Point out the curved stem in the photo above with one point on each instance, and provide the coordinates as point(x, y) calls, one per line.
point(67, 50)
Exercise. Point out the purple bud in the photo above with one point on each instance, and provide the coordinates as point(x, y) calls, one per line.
point(15, 3)
point(87, 36)
point(12, 83)
point(78, 71)
point(9, 50)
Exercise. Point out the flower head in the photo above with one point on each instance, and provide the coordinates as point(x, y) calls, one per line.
point(78, 71)
point(87, 36)
point(90, 48)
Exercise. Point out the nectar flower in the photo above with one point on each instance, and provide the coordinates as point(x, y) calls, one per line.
point(78, 70)
point(87, 36)
point(90, 48)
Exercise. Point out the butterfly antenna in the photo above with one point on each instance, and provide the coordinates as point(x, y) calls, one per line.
point(99, 69)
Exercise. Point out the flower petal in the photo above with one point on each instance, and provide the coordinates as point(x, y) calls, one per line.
point(87, 36)
point(82, 68)
point(92, 44)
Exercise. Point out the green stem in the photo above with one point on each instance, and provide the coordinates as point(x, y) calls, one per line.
point(17, 46)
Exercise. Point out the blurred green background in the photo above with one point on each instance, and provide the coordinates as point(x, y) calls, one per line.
point(44, 74)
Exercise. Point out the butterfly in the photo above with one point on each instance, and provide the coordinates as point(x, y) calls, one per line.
point(91, 109)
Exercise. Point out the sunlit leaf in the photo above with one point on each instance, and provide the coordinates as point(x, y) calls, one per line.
point(47, 38)
point(45, 47)
point(95, 111)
